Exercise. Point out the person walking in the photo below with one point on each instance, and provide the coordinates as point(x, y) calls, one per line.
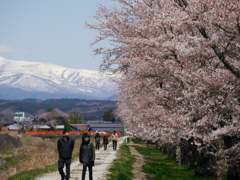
point(65, 147)
point(114, 140)
point(87, 155)
point(105, 142)
point(97, 141)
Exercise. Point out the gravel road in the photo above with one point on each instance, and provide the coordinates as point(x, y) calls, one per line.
point(103, 162)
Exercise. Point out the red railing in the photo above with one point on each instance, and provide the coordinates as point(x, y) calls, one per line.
point(70, 132)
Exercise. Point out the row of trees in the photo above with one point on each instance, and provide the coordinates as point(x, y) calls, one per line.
point(73, 118)
point(55, 117)
point(76, 118)
point(89, 109)
point(180, 68)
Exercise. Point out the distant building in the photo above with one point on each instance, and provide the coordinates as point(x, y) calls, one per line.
point(106, 126)
point(59, 127)
point(14, 127)
point(81, 127)
point(74, 127)
point(21, 117)
point(41, 127)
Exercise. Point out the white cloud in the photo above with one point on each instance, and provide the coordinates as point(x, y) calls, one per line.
point(5, 48)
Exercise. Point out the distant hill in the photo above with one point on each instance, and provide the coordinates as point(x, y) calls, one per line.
point(22, 79)
point(89, 109)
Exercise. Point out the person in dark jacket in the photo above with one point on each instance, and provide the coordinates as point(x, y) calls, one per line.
point(65, 147)
point(97, 141)
point(105, 142)
point(87, 155)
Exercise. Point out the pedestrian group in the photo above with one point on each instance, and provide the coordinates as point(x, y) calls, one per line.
point(65, 147)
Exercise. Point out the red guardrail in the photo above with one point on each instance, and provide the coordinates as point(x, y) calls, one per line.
point(70, 132)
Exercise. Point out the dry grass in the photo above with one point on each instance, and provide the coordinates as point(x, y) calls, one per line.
point(36, 153)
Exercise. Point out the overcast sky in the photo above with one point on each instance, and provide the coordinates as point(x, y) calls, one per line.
point(50, 31)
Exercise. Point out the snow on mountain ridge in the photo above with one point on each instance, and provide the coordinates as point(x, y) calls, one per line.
point(46, 77)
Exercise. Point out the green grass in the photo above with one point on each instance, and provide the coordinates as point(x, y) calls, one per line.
point(137, 141)
point(32, 174)
point(122, 166)
point(8, 162)
point(158, 166)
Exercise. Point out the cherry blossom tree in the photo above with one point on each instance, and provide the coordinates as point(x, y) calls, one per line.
point(179, 62)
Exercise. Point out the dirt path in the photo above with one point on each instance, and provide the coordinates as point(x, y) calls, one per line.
point(103, 162)
point(137, 166)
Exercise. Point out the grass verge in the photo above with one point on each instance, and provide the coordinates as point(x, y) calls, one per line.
point(122, 166)
point(158, 166)
point(34, 173)
point(36, 157)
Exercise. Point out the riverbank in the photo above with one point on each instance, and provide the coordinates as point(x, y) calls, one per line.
point(31, 154)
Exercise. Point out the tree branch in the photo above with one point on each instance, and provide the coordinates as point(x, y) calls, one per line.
point(226, 63)
point(221, 55)
point(182, 3)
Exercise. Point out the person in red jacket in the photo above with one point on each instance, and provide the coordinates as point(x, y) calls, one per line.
point(65, 147)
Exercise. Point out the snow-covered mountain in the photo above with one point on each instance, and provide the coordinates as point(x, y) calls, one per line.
point(22, 79)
